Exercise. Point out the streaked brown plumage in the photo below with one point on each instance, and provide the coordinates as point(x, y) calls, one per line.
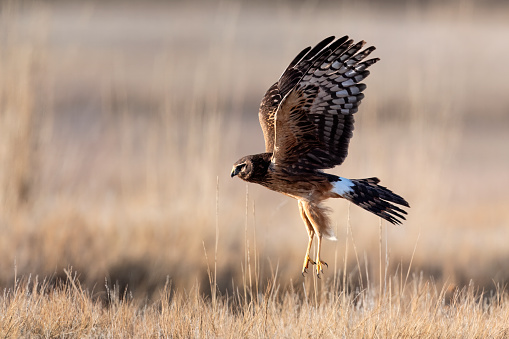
point(307, 122)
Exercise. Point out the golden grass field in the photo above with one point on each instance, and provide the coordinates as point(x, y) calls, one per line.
point(119, 123)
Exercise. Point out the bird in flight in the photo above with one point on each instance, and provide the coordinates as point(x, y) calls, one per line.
point(307, 122)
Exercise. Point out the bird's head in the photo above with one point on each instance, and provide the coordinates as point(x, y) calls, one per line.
point(243, 168)
point(252, 168)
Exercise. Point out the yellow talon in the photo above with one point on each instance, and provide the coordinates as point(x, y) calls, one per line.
point(307, 260)
point(319, 267)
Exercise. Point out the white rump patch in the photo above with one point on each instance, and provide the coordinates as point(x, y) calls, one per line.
point(343, 186)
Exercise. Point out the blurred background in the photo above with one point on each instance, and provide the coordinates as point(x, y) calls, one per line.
point(120, 121)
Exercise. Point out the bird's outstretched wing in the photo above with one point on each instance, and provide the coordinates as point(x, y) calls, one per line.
point(313, 121)
point(288, 80)
point(295, 133)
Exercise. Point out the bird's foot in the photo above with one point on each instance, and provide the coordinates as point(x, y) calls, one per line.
point(319, 267)
point(307, 260)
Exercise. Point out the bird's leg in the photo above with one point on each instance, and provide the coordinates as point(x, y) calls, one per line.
point(319, 262)
point(307, 259)
point(314, 216)
point(311, 233)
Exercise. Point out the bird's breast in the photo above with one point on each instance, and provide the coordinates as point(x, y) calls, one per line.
point(305, 186)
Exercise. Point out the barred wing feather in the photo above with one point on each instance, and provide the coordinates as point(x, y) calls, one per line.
point(335, 73)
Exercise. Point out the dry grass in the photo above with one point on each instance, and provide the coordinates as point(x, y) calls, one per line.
point(118, 130)
point(417, 310)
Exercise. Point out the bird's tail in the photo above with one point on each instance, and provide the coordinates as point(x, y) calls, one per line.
point(377, 199)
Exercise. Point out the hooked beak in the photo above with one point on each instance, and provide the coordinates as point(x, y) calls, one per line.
point(235, 171)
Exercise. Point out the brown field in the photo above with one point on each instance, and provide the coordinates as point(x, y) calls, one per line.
point(119, 123)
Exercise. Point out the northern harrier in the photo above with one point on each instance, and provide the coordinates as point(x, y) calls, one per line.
point(307, 122)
